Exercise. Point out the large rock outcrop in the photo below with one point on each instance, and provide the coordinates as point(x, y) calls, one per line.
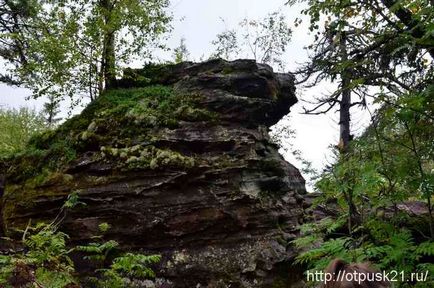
point(178, 161)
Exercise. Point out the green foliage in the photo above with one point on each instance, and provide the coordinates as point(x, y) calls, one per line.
point(135, 264)
point(425, 249)
point(71, 48)
point(264, 40)
point(38, 157)
point(128, 266)
point(388, 249)
point(334, 248)
point(123, 269)
point(180, 53)
point(51, 111)
point(46, 262)
point(104, 227)
point(226, 45)
point(53, 279)
point(360, 45)
point(98, 251)
point(46, 246)
point(18, 126)
point(73, 201)
point(317, 253)
point(46, 257)
point(391, 164)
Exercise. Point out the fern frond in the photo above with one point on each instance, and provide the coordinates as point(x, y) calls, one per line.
point(425, 248)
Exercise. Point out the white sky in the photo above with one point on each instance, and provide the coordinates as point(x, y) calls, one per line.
point(198, 21)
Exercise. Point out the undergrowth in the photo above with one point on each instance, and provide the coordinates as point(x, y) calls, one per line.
point(45, 260)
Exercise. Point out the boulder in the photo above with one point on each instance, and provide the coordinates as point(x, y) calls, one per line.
point(178, 161)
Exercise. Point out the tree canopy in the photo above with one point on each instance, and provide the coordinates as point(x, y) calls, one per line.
point(264, 40)
point(71, 48)
point(371, 48)
point(18, 126)
point(380, 53)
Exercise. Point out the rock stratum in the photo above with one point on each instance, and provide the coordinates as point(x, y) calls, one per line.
point(178, 161)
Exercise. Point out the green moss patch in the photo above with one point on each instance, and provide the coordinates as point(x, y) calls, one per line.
point(114, 119)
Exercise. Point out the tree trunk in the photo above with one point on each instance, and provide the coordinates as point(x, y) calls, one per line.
point(345, 103)
point(345, 128)
point(109, 60)
point(344, 121)
point(108, 56)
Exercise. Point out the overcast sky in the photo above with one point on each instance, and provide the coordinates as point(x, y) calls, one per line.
point(198, 21)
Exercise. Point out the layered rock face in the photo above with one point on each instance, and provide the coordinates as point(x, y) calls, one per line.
point(181, 165)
